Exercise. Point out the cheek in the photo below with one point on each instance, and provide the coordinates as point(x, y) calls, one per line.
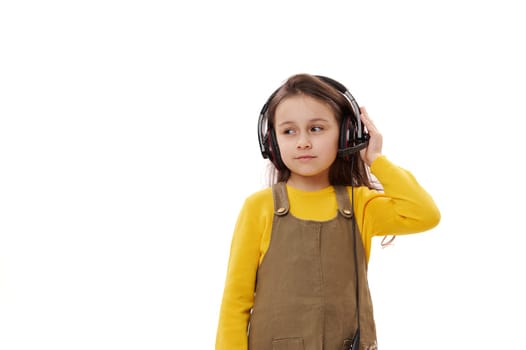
point(283, 141)
point(332, 147)
point(282, 144)
point(335, 140)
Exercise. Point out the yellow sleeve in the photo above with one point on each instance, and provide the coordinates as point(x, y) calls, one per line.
point(245, 251)
point(403, 207)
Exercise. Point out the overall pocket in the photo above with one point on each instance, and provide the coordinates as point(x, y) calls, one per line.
point(288, 344)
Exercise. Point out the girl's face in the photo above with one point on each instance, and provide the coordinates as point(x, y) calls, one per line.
point(307, 133)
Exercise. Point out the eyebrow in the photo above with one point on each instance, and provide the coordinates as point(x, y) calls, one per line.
point(313, 120)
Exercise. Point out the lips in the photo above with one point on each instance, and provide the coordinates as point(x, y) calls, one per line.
point(305, 157)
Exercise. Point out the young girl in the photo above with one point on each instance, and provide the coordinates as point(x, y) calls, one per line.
point(297, 273)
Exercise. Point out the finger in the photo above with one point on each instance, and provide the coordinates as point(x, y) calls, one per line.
point(365, 114)
point(367, 121)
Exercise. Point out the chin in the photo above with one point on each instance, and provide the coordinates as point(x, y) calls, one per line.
point(310, 173)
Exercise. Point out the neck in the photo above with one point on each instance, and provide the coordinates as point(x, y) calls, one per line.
point(308, 183)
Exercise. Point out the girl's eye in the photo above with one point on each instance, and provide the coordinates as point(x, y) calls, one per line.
point(316, 128)
point(288, 131)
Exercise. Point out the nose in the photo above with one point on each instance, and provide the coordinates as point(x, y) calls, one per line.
point(303, 143)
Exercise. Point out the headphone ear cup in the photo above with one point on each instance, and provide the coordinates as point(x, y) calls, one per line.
point(344, 133)
point(347, 138)
point(268, 142)
point(268, 146)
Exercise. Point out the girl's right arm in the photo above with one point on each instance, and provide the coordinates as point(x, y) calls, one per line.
point(238, 295)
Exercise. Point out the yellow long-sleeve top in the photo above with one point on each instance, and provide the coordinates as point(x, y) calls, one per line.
point(402, 207)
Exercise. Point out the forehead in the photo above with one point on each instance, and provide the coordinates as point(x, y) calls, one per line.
point(303, 107)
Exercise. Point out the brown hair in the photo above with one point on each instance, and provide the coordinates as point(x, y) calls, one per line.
point(351, 171)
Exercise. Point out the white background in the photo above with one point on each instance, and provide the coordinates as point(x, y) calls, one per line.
point(128, 144)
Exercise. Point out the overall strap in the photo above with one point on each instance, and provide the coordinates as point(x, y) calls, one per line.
point(281, 199)
point(344, 204)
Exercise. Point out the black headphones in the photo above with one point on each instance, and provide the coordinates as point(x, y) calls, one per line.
point(353, 136)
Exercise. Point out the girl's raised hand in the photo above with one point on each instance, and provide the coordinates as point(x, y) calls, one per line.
point(374, 148)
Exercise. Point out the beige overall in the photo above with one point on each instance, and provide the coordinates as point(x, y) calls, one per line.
point(305, 295)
